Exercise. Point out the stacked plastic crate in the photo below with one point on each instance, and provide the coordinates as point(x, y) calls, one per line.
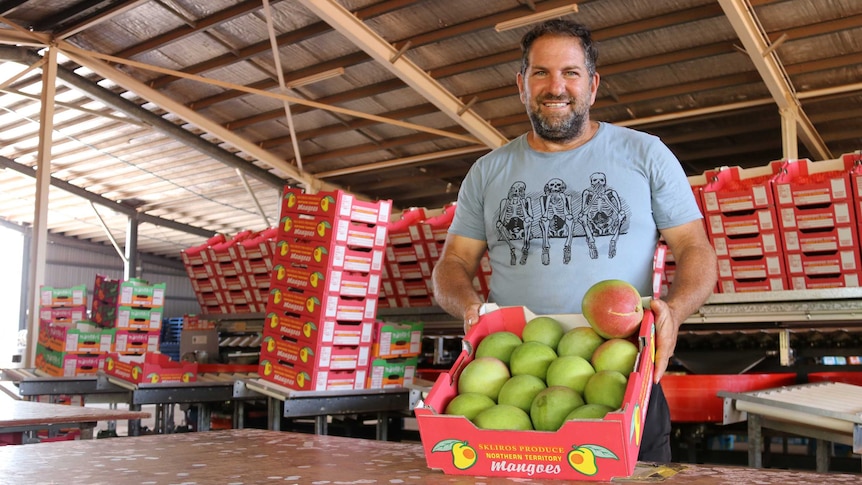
point(407, 270)
point(255, 255)
point(742, 225)
point(202, 277)
point(818, 223)
point(324, 290)
point(68, 344)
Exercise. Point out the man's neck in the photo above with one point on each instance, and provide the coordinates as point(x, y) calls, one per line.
point(542, 145)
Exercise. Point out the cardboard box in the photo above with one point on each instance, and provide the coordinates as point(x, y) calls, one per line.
point(754, 246)
point(803, 183)
point(816, 217)
point(313, 357)
point(823, 241)
point(406, 229)
point(834, 263)
point(326, 331)
point(294, 378)
point(741, 224)
point(75, 296)
point(351, 234)
point(129, 318)
point(615, 439)
point(734, 189)
point(850, 279)
point(104, 314)
point(106, 289)
point(136, 342)
point(309, 305)
point(79, 338)
point(149, 368)
point(393, 339)
point(136, 292)
point(66, 315)
point(730, 285)
point(65, 364)
point(335, 204)
point(328, 255)
point(387, 373)
point(323, 281)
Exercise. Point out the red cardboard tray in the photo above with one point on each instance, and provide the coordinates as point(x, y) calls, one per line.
point(614, 440)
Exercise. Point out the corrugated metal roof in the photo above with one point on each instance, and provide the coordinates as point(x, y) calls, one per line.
point(675, 68)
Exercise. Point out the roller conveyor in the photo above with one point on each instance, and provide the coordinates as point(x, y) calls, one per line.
point(826, 411)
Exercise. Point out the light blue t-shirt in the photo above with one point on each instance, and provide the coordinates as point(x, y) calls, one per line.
point(556, 223)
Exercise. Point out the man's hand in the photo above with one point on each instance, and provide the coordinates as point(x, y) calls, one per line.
point(471, 316)
point(666, 331)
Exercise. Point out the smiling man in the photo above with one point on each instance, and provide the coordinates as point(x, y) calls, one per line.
point(584, 201)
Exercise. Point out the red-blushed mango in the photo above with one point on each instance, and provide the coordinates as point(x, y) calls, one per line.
point(613, 308)
point(484, 375)
point(615, 354)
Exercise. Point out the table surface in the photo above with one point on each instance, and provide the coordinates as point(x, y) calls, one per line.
point(253, 456)
point(15, 413)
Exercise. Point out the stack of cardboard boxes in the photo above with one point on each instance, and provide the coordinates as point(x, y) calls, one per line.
point(69, 344)
point(324, 289)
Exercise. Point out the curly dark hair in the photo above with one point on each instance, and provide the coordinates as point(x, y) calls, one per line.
point(561, 27)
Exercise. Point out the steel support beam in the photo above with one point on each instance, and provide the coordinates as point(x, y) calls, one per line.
point(392, 59)
point(762, 53)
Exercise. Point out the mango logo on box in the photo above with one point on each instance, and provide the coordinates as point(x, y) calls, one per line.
point(305, 353)
point(273, 320)
point(269, 343)
point(325, 201)
point(322, 227)
point(318, 253)
point(267, 367)
point(315, 278)
point(301, 378)
point(283, 248)
point(280, 272)
point(136, 371)
point(291, 199)
point(276, 295)
point(109, 363)
point(463, 455)
point(582, 458)
point(311, 303)
point(286, 224)
point(153, 377)
point(308, 328)
point(187, 376)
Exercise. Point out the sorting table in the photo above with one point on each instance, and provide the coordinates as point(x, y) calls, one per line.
point(826, 411)
point(290, 403)
point(265, 456)
point(19, 416)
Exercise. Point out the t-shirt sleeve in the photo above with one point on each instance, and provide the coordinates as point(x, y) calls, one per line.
point(673, 201)
point(469, 220)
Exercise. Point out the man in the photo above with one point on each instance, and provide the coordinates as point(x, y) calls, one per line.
point(599, 198)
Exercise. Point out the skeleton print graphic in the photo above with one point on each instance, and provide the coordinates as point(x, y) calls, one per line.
point(555, 213)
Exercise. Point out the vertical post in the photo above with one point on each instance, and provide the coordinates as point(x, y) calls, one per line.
point(131, 270)
point(39, 243)
point(755, 441)
point(789, 120)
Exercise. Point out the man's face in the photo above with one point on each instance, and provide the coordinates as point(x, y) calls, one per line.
point(557, 89)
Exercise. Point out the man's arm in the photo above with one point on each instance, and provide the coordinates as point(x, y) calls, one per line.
point(453, 278)
point(693, 282)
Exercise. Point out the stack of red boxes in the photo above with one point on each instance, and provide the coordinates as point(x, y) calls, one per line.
point(818, 223)
point(407, 275)
point(231, 275)
point(856, 184)
point(324, 289)
point(742, 225)
point(139, 316)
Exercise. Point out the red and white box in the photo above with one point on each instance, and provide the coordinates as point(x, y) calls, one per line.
point(766, 273)
point(149, 368)
point(735, 189)
point(537, 454)
point(65, 315)
point(435, 228)
point(320, 307)
point(326, 281)
point(755, 246)
point(292, 377)
point(313, 357)
point(336, 204)
point(79, 338)
point(327, 331)
point(60, 364)
point(329, 255)
point(406, 229)
point(744, 223)
point(310, 228)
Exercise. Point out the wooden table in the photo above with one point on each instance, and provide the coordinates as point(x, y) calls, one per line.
point(263, 456)
point(28, 416)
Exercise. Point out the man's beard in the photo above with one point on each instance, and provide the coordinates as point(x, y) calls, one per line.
point(558, 129)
